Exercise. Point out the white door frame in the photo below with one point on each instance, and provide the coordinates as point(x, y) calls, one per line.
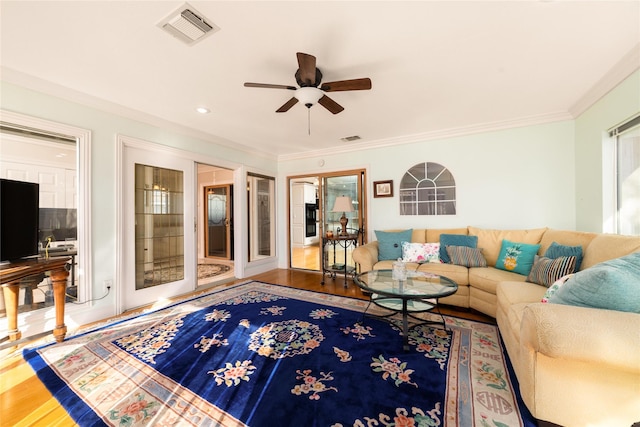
point(134, 152)
point(43, 320)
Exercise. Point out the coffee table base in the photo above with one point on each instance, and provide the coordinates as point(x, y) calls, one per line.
point(406, 307)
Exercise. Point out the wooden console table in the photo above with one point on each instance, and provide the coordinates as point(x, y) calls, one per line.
point(10, 276)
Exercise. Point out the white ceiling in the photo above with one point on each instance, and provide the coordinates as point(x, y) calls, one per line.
point(439, 68)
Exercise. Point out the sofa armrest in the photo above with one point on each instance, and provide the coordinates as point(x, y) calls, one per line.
point(366, 256)
point(603, 337)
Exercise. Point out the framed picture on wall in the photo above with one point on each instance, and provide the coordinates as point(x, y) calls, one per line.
point(383, 188)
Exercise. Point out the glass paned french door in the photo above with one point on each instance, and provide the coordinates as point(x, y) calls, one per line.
point(158, 257)
point(261, 215)
point(312, 200)
point(218, 214)
point(335, 190)
point(342, 215)
point(159, 242)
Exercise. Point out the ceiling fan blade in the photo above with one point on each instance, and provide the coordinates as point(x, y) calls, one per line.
point(307, 68)
point(287, 105)
point(354, 84)
point(330, 104)
point(269, 86)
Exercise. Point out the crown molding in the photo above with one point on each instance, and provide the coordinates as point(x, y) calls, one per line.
point(623, 69)
point(34, 83)
point(430, 136)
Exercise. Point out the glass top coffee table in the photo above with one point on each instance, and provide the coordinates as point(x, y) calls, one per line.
point(419, 292)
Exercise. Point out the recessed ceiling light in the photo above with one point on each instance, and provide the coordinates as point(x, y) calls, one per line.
point(203, 110)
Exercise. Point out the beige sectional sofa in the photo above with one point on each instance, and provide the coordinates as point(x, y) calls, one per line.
point(576, 366)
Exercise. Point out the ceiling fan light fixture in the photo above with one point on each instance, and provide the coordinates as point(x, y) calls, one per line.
point(308, 96)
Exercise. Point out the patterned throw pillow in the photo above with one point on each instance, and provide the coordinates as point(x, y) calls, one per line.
point(546, 271)
point(420, 252)
point(554, 288)
point(466, 256)
point(516, 257)
point(455, 240)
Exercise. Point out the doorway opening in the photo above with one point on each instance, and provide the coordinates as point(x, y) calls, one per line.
point(311, 214)
point(54, 156)
point(215, 224)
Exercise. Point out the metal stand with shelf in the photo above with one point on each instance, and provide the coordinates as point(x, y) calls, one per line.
point(334, 268)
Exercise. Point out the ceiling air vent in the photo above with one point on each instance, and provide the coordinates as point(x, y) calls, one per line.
point(350, 138)
point(188, 25)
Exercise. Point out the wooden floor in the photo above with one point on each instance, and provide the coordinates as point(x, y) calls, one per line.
point(24, 401)
point(306, 257)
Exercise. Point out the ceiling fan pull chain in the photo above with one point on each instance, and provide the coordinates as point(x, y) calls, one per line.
point(309, 120)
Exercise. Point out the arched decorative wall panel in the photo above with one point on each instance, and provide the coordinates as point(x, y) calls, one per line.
point(428, 189)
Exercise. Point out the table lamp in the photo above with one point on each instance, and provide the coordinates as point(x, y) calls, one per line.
point(343, 204)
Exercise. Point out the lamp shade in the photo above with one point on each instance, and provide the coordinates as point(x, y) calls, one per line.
point(343, 204)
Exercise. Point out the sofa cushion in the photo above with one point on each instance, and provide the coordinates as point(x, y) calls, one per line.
point(420, 252)
point(557, 250)
point(604, 247)
point(516, 256)
point(547, 271)
point(390, 243)
point(512, 292)
point(610, 285)
point(487, 278)
point(457, 273)
point(466, 256)
point(491, 240)
point(387, 264)
point(455, 240)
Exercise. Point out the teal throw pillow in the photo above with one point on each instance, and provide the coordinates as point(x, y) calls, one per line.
point(455, 240)
point(556, 250)
point(517, 257)
point(390, 243)
point(610, 285)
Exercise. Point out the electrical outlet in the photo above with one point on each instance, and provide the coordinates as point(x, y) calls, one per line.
point(108, 285)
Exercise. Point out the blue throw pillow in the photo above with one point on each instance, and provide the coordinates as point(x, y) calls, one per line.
point(455, 240)
point(610, 285)
point(390, 243)
point(517, 257)
point(556, 250)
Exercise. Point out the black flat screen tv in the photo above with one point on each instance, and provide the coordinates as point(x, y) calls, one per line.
point(19, 204)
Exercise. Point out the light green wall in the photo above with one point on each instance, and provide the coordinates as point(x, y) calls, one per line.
point(514, 178)
point(104, 127)
point(590, 129)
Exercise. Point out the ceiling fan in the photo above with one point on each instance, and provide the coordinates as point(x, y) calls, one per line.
point(311, 90)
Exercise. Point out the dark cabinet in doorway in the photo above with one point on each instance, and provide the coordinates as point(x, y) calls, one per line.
point(311, 220)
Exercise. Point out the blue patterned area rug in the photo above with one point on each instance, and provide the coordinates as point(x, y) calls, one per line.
point(258, 354)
